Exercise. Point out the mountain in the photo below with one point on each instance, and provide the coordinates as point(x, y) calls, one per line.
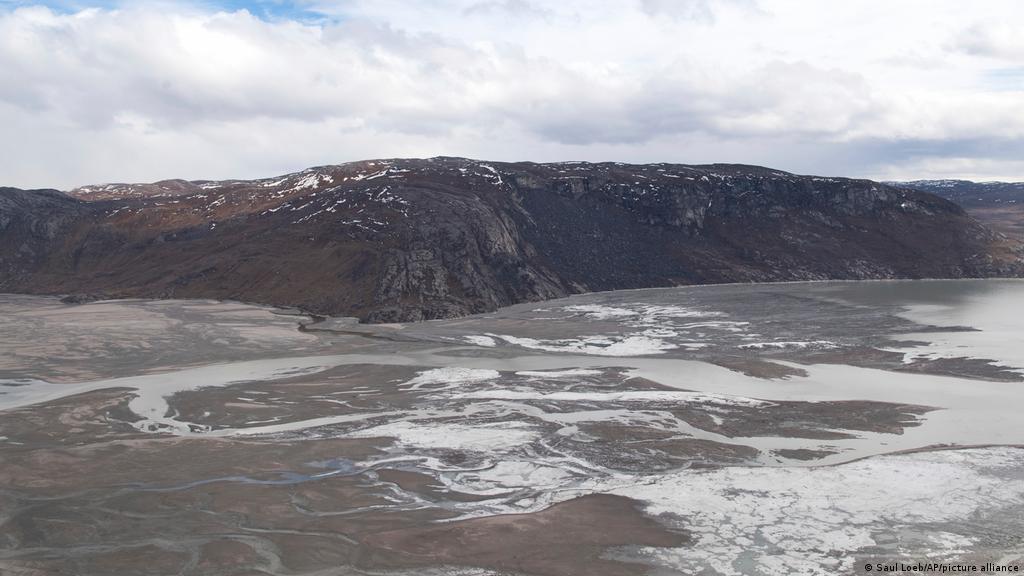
point(1000, 205)
point(971, 194)
point(402, 240)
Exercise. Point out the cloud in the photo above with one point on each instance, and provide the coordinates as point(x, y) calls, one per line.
point(1002, 40)
point(147, 90)
point(508, 7)
point(696, 10)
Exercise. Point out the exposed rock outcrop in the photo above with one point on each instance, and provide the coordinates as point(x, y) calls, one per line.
point(401, 240)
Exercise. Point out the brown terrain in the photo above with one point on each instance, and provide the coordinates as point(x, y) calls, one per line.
point(404, 240)
point(390, 452)
point(560, 540)
point(999, 205)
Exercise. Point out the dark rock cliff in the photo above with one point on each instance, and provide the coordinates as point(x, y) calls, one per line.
point(399, 240)
point(32, 224)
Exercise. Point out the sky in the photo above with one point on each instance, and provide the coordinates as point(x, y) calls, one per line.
point(117, 91)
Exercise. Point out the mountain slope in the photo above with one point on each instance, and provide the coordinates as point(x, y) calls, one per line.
point(1000, 205)
point(397, 240)
point(971, 194)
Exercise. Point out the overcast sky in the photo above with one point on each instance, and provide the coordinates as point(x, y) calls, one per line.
point(111, 91)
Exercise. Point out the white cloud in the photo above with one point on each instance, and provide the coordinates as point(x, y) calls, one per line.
point(1002, 40)
point(868, 88)
point(698, 10)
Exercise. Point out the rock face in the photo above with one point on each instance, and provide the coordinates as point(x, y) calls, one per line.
point(33, 224)
point(401, 240)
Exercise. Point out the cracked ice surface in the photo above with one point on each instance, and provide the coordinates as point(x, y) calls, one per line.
point(814, 520)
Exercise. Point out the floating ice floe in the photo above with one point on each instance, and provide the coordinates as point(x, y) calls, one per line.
point(644, 312)
point(598, 312)
point(559, 373)
point(444, 435)
point(596, 345)
point(625, 396)
point(784, 345)
point(477, 340)
point(448, 378)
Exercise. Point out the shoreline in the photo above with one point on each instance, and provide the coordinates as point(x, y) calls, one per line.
point(298, 310)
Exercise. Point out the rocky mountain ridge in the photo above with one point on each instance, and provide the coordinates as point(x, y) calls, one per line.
point(408, 239)
point(999, 205)
point(971, 194)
